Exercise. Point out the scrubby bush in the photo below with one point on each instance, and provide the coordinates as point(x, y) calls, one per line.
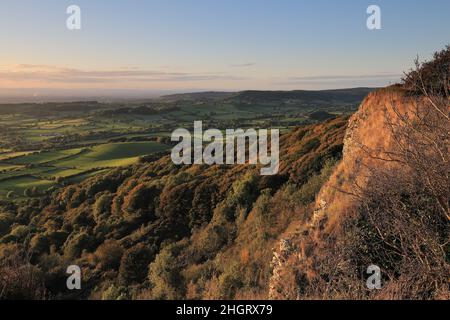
point(20, 232)
point(6, 220)
point(39, 244)
point(432, 76)
point(109, 254)
point(311, 188)
point(140, 202)
point(134, 264)
point(115, 293)
point(75, 245)
point(165, 274)
point(230, 281)
point(20, 280)
point(102, 206)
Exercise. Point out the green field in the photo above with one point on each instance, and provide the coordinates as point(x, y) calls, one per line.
point(74, 165)
point(44, 157)
point(112, 155)
point(19, 184)
point(11, 155)
point(72, 147)
point(8, 167)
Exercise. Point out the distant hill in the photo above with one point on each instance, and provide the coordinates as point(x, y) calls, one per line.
point(341, 95)
point(254, 96)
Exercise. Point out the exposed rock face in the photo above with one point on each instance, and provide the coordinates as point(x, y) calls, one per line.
point(367, 133)
point(367, 130)
point(280, 256)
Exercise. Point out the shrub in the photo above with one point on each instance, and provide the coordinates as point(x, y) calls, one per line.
point(19, 279)
point(6, 220)
point(39, 244)
point(115, 293)
point(165, 274)
point(109, 254)
point(134, 264)
point(311, 188)
point(20, 232)
point(74, 246)
point(102, 206)
point(141, 202)
point(432, 77)
point(230, 281)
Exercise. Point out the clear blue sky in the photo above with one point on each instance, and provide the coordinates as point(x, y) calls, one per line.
point(211, 44)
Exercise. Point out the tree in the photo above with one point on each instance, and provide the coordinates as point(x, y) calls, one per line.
point(109, 254)
point(134, 264)
point(6, 220)
point(39, 244)
point(102, 206)
point(75, 245)
point(165, 274)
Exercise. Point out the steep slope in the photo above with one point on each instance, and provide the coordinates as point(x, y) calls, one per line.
point(156, 230)
point(327, 257)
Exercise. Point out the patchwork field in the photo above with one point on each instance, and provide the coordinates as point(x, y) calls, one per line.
point(111, 155)
point(49, 145)
point(43, 170)
point(20, 184)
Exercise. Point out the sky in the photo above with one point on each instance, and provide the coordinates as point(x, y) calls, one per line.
point(145, 47)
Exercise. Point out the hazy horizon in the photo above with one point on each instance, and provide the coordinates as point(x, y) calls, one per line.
point(158, 47)
point(116, 96)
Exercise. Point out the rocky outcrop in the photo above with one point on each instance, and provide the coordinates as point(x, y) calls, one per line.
point(367, 132)
point(280, 256)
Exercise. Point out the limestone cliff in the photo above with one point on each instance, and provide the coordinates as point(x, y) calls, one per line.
point(298, 256)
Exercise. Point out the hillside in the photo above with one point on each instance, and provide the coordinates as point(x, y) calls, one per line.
point(386, 203)
point(350, 193)
point(353, 194)
point(342, 95)
point(254, 96)
point(157, 231)
point(154, 230)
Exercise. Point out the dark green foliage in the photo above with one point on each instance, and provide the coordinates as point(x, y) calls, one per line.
point(75, 245)
point(165, 274)
point(134, 264)
point(39, 244)
point(6, 220)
